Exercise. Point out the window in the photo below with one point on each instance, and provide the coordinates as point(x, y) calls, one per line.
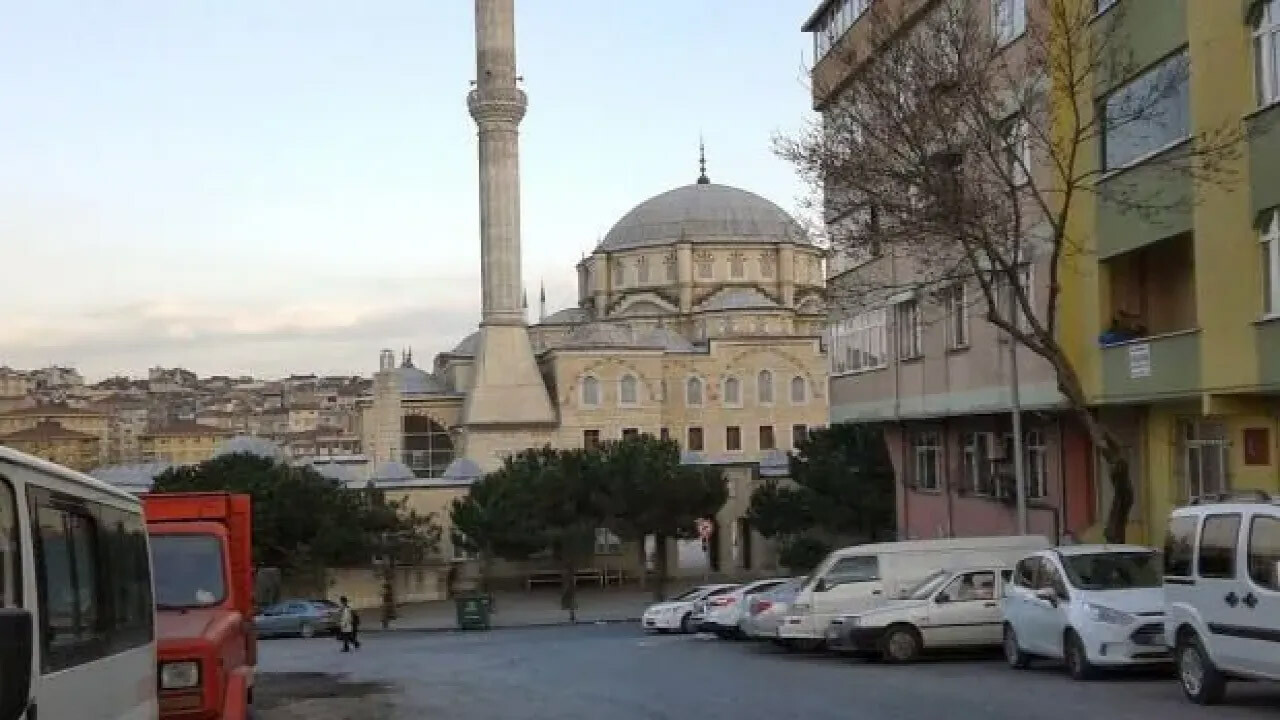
point(971, 587)
point(428, 449)
point(764, 387)
point(1015, 140)
point(620, 273)
point(799, 391)
point(1050, 578)
point(630, 432)
point(642, 270)
point(862, 568)
point(695, 439)
point(907, 322)
point(67, 557)
point(706, 269)
point(1264, 552)
point(926, 449)
point(858, 343)
point(766, 265)
point(1266, 51)
point(799, 434)
point(1271, 264)
point(1036, 464)
point(1204, 457)
point(953, 301)
point(1007, 301)
point(590, 391)
point(767, 440)
point(1149, 113)
point(664, 434)
point(10, 549)
point(834, 23)
point(693, 392)
point(1024, 573)
point(737, 266)
point(189, 572)
point(1010, 19)
point(607, 543)
point(1180, 545)
point(129, 578)
point(733, 438)
point(732, 391)
point(977, 463)
point(627, 390)
point(590, 439)
point(670, 263)
point(1218, 540)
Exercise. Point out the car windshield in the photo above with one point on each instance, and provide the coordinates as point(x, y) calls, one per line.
point(688, 594)
point(187, 570)
point(1114, 570)
point(926, 587)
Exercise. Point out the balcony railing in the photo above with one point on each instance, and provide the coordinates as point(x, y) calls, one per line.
point(1152, 367)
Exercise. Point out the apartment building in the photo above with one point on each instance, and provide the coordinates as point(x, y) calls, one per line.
point(64, 416)
point(182, 443)
point(51, 441)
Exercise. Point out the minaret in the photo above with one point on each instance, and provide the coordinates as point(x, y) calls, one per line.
point(508, 390)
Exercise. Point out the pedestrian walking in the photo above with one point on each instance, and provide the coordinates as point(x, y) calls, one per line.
point(348, 625)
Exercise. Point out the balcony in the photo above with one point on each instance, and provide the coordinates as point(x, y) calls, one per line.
point(1152, 347)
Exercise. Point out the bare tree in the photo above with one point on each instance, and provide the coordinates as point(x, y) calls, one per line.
point(962, 149)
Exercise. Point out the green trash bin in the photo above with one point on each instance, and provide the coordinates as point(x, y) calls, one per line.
point(473, 612)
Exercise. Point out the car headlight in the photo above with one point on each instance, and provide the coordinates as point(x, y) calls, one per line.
point(179, 675)
point(1110, 616)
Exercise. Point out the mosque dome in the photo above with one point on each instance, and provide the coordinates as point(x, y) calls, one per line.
point(415, 381)
point(702, 213)
point(392, 471)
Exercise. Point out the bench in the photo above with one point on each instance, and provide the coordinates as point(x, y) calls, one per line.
point(553, 577)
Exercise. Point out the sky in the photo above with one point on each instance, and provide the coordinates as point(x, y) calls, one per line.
point(275, 186)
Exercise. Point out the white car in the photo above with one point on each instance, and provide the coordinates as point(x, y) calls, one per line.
point(725, 611)
point(676, 615)
point(766, 611)
point(950, 609)
point(1092, 606)
point(1222, 594)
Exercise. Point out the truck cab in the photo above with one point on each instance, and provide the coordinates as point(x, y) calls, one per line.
point(206, 645)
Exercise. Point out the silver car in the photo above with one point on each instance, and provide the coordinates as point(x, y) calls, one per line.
point(765, 611)
point(303, 618)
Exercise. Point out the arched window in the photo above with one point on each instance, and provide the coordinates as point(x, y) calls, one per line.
point(799, 391)
point(627, 391)
point(590, 391)
point(693, 392)
point(732, 391)
point(764, 387)
point(428, 449)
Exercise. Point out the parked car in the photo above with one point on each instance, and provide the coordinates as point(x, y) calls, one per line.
point(676, 615)
point(304, 618)
point(702, 606)
point(1092, 606)
point(854, 579)
point(766, 611)
point(950, 609)
point(1222, 594)
point(726, 611)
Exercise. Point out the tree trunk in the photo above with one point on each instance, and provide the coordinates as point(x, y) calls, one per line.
point(659, 567)
point(644, 564)
point(1122, 496)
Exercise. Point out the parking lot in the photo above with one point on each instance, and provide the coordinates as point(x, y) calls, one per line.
point(619, 672)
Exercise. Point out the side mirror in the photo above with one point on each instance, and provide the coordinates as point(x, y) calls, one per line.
point(1048, 595)
point(17, 640)
point(942, 599)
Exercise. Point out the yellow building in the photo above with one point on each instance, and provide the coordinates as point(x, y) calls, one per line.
point(1178, 311)
point(182, 443)
point(80, 420)
point(49, 440)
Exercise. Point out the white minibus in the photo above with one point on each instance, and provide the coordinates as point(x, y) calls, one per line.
point(77, 622)
point(856, 578)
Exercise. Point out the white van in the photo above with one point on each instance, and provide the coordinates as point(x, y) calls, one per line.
point(77, 622)
point(854, 579)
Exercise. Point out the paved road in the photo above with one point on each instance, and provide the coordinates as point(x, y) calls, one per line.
point(589, 672)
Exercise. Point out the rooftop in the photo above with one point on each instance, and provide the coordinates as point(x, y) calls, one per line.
point(47, 430)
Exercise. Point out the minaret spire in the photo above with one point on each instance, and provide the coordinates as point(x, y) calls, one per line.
point(542, 301)
point(702, 162)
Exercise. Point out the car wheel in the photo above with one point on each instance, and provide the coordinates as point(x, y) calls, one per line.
point(686, 623)
point(307, 630)
point(1013, 650)
point(1201, 681)
point(901, 644)
point(1077, 659)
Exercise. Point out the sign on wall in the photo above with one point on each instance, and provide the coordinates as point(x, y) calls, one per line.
point(1140, 360)
point(1257, 446)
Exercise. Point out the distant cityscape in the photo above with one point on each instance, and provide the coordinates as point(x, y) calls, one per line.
point(173, 416)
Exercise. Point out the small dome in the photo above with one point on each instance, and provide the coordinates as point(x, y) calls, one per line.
point(702, 213)
point(414, 381)
point(739, 299)
point(130, 477)
point(334, 471)
point(468, 346)
point(463, 469)
point(251, 445)
point(392, 471)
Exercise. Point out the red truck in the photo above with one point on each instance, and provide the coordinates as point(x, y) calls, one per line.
point(202, 567)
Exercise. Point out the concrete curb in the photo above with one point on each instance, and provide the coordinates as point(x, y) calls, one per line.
point(547, 624)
